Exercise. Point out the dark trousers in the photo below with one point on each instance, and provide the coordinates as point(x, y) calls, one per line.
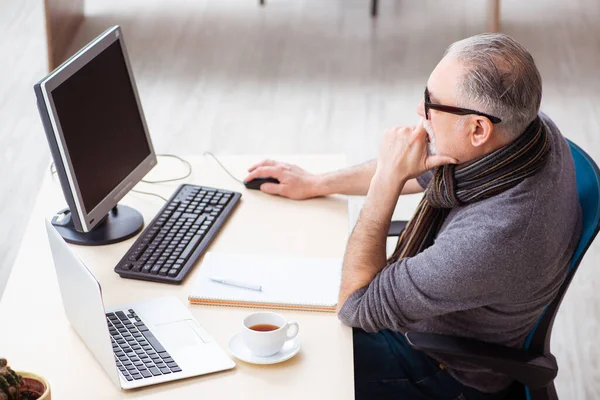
point(386, 367)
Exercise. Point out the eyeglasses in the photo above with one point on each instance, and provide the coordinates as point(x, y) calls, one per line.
point(454, 110)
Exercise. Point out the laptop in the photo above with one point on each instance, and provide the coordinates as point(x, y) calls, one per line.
point(137, 344)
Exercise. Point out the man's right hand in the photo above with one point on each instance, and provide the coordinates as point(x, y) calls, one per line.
point(294, 182)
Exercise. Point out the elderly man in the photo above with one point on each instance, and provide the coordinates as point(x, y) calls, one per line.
point(490, 241)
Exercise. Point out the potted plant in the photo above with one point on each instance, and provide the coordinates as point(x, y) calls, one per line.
point(23, 386)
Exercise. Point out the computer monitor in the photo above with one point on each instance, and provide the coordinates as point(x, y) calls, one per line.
point(98, 139)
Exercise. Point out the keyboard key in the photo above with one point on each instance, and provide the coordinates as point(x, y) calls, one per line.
point(191, 246)
point(176, 369)
point(155, 371)
point(137, 376)
point(121, 315)
point(165, 371)
point(163, 354)
point(154, 342)
point(128, 377)
point(131, 367)
point(172, 365)
point(146, 374)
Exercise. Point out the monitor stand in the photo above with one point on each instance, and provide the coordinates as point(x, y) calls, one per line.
point(120, 224)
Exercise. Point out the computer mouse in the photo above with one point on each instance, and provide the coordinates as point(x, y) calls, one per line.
point(257, 182)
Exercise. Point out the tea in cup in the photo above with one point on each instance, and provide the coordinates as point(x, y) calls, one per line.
point(265, 333)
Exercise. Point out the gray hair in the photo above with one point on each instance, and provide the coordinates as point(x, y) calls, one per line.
point(500, 79)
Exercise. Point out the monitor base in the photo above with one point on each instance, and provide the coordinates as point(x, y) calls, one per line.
point(121, 223)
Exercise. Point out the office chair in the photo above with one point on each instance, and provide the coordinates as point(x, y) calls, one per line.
point(533, 368)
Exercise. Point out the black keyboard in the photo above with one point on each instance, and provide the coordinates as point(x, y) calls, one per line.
point(179, 234)
point(138, 353)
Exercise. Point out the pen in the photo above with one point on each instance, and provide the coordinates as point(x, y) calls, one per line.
point(231, 282)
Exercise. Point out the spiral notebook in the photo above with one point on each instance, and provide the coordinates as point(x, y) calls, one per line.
point(310, 284)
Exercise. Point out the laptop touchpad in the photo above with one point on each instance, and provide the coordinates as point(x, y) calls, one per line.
point(175, 335)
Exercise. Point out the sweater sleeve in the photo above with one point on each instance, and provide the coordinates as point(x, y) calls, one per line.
point(465, 268)
point(425, 178)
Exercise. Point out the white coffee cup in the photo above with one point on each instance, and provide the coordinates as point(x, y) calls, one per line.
point(267, 343)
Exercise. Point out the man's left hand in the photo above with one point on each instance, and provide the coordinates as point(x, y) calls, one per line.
point(403, 154)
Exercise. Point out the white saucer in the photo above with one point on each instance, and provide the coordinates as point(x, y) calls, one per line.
point(240, 351)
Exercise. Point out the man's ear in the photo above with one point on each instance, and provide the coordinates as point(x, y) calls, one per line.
point(481, 130)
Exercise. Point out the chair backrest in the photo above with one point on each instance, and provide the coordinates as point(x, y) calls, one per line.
point(588, 189)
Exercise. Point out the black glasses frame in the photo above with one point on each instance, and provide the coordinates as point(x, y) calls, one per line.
point(454, 110)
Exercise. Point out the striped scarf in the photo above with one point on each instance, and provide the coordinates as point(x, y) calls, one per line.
point(458, 185)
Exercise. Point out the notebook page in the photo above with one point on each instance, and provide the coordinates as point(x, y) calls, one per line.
point(284, 280)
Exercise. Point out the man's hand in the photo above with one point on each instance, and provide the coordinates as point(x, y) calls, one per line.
point(403, 154)
point(294, 182)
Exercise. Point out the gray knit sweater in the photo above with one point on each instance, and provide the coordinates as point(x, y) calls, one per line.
point(491, 271)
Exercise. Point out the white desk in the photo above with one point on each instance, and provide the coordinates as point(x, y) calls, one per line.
point(36, 336)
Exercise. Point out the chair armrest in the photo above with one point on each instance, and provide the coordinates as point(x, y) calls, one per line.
point(396, 228)
point(533, 370)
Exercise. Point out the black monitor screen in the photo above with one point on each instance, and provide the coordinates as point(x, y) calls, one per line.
point(101, 124)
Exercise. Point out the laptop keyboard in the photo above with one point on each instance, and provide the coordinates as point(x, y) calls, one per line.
point(138, 353)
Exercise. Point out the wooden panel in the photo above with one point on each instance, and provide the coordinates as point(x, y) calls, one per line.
point(63, 18)
point(494, 16)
